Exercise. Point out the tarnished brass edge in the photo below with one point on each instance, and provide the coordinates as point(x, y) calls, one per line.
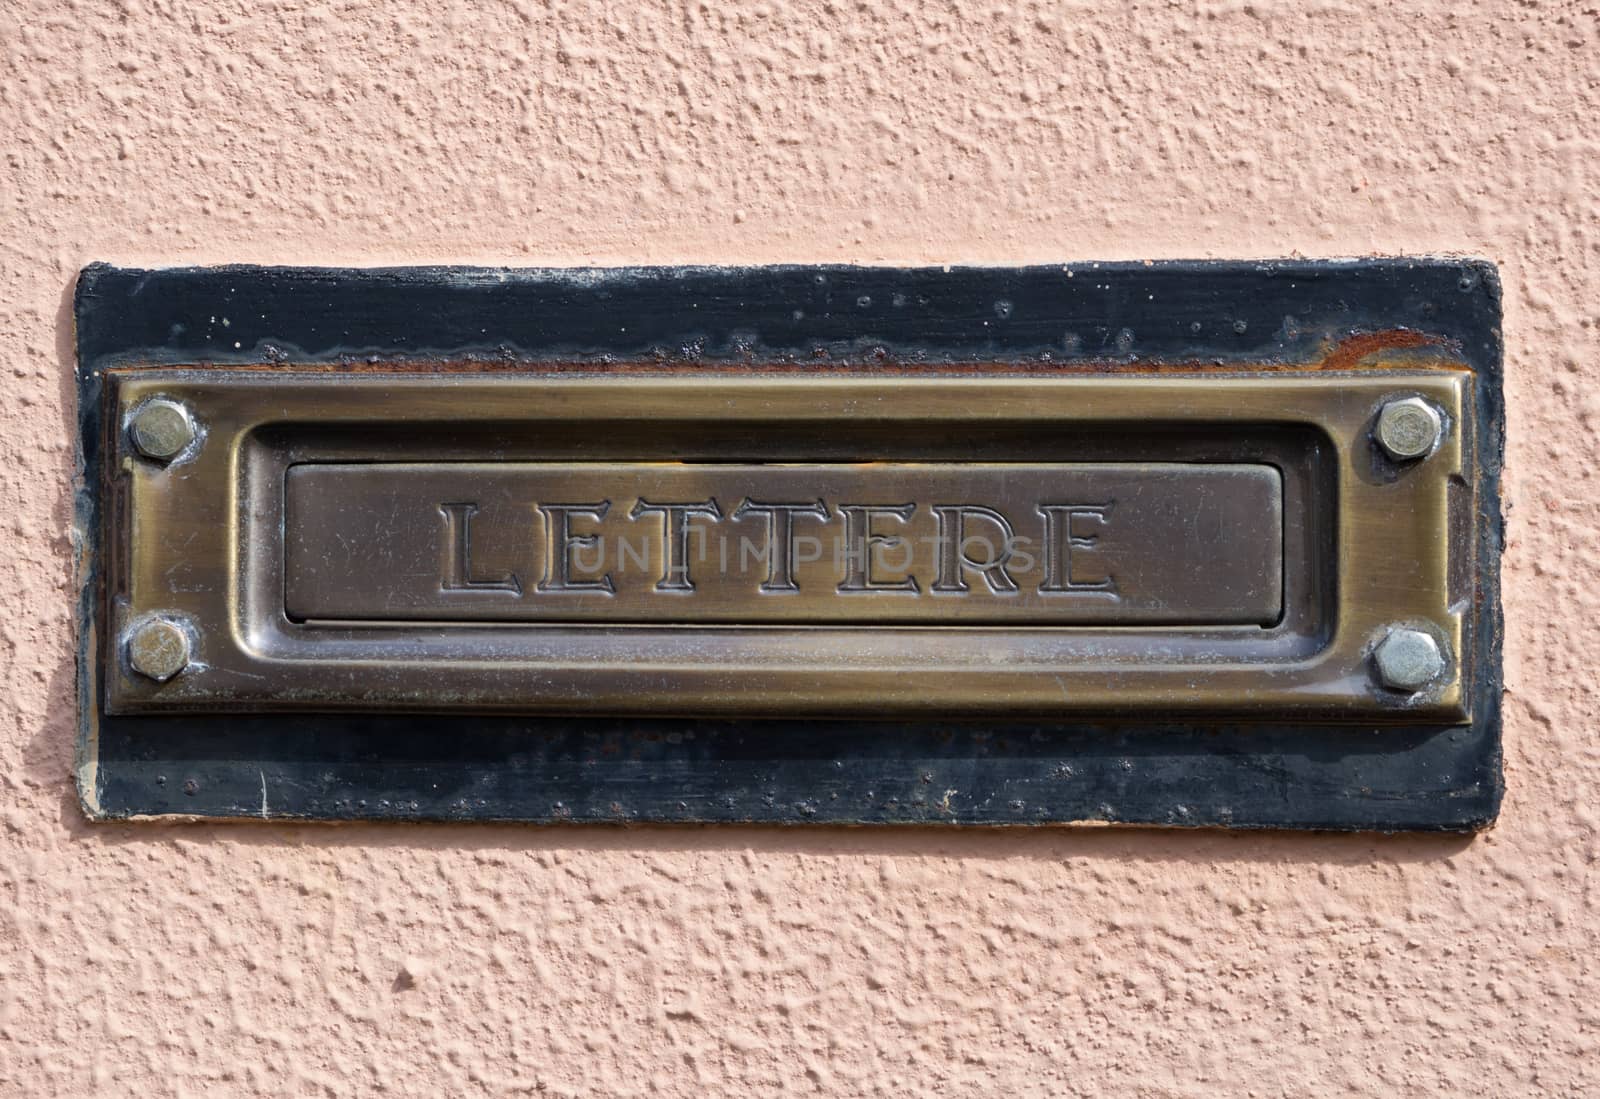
point(235, 503)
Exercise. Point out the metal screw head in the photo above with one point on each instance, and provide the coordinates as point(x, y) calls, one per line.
point(1408, 428)
point(1407, 660)
point(158, 648)
point(161, 429)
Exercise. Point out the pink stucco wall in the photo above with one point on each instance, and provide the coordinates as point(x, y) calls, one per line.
point(200, 960)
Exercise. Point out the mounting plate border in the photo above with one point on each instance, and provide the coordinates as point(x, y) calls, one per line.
point(1064, 318)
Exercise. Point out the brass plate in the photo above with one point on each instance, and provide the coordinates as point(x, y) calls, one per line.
point(879, 542)
point(1271, 613)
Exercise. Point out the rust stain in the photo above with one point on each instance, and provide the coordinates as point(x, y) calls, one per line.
point(1349, 353)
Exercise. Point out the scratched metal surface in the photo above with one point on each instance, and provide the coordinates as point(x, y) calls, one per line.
point(1100, 318)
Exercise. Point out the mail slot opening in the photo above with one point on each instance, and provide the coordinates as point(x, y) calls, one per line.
point(929, 543)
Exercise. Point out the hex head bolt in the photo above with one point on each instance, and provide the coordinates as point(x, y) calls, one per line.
point(1408, 428)
point(1407, 660)
point(158, 649)
point(161, 429)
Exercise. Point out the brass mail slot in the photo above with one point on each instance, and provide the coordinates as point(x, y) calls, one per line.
point(1033, 543)
point(762, 544)
point(1192, 544)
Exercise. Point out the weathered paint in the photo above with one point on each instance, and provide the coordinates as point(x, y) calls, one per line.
point(1204, 747)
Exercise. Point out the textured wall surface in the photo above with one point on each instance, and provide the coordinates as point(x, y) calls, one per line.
point(197, 960)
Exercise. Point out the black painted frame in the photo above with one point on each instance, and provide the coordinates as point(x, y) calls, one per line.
point(549, 769)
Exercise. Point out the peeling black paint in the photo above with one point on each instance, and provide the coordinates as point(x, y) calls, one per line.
point(442, 767)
